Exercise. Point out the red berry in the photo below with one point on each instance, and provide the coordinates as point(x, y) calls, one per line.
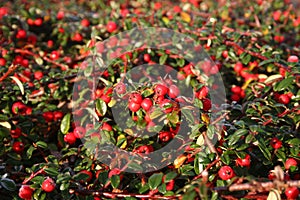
point(165, 136)
point(276, 143)
point(60, 15)
point(70, 138)
point(79, 132)
point(3, 11)
point(290, 162)
point(16, 133)
point(293, 58)
point(48, 185)
point(206, 104)
point(18, 147)
point(48, 116)
point(244, 162)
point(77, 37)
point(38, 75)
point(144, 149)
point(134, 107)
point(2, 62)
point(38, 22)
point(120, 88)
point(25, 192)
point(21, 34)
point(111, 26)
point(203, 92)
point(284, 99)
point(54, 55)
point(173, 91)
point(50, 43)
point(235, 97)
point(167, 106)
point(135, 98)
point(85, 23)
point(236, 89)
point(226, 172)
point(170, 185)
point(292, 192)
point(177, 9)
point(106, 127)
point(277, 15)
point(57, 115)
point(147, 57)
point(238, 67)
point(115, 171)
point(161, 89)
point(146, 104)
point(225, 54)
point(18, 107)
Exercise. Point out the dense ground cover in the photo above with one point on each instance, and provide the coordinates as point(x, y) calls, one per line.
point(209, 107)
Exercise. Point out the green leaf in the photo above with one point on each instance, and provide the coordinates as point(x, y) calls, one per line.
point(65, 124)
point(235, 137)
point(266, 62)
point(163, 59)
point(170, 176)
point(144, 189)
point(8, 184)
point(246, 59)
point(101, 106)
point(162, 188)
point(81, 176)
point(42, 144)
point(115, 181)
point(155, 180)
point(51, 171)
point(30, 151)
point(284, 84)
point(262, 146)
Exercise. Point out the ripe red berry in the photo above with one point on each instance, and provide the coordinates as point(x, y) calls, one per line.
point(167, 106)
point(275, 143)
point(170, 185)
point(18, 147)
point(115, 171)
point(238, 67)
point(111, 26)
point(70, 138)
point(21, 34)
point(85, 23)
point(147, 57)
point(290, 162)
point(144, 149)
point(244, 162)
point(77, 37)
point(15, 133)
point(79, 132)
point(2, 62)
point(206, 104)
point(146, 104)
point(135, 98)
point(161, 89)
point(235, 97)
point(284, 99)
point(48, 116)
point(165, 136)
point(57, 115)
point(293, 58)
point(236, 89)
point(106, 127)
point(203, 92)
point(276, 15)
point(54, 55)
point(134, 107)
point(120, 88)
point(38, 22)
point(38, 75)
point(18, 107)
point(60, 15)
point(48, 185)
point(292, 192)
point(25, 192)
point(173, 91)
point(226, 173)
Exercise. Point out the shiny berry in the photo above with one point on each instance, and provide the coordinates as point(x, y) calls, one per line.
point(111, 26)
point(48, 185)
point(275, 143)
point(226, 173)
point(292, 192)
point(146, 104)
point(18, 147)
point(289, 163)
point(25, 192)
